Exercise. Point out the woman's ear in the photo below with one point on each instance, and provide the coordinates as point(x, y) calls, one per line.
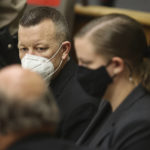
point(116, 66)
point(66, 46)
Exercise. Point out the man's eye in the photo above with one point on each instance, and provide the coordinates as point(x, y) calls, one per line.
point(41, 48)
point(23, 49)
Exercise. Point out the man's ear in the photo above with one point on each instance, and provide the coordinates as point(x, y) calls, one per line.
point(66, 46)
point(116, 66)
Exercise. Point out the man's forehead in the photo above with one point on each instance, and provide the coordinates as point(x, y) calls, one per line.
point(41, 32)
point(45, 26)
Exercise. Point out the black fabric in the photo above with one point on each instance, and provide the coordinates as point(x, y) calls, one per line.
point(107, 2)
point(128, 128)
point(9, 53)
point(44, 142)
point(77, 108)
point(94, 82)
point(147, 52)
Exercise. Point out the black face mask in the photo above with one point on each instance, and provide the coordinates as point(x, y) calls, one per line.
point(94, 82)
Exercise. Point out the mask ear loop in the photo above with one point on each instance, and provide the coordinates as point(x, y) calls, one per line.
point(55, 70)
point(56, 52)
point(59, 63)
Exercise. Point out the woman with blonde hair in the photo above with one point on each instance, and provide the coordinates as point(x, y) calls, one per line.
point(113, 55)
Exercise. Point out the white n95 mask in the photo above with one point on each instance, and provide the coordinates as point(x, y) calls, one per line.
point(40, 65)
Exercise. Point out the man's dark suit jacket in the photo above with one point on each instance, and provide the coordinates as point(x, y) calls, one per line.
point(76, 106)
point(128, 128)
point(44, 142)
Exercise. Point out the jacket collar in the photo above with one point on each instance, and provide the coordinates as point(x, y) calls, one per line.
point(112, 118)
point(135, 95)
point(103, 110)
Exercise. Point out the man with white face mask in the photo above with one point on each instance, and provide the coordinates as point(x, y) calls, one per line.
point(41, 65)
point(44, 48)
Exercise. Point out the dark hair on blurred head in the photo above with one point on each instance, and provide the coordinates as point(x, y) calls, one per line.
point(18, 115)
point(38, 14)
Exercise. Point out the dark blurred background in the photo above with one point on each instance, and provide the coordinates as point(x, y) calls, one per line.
point(141, 5)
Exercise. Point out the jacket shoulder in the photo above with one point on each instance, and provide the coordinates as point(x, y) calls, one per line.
point(132, 129)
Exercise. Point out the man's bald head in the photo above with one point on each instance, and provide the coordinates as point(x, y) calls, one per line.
point(20, 83)
point(25, 102)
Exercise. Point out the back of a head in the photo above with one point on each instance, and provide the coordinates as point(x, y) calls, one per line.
point(25, 102)
point(39, 14)
point(120, 35)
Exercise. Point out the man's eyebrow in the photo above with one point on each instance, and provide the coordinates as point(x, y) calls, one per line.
point(20, 44)
point(41, 43)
